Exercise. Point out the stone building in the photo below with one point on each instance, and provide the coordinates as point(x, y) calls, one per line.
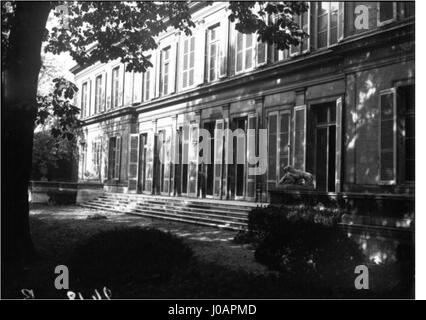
point(339, 106)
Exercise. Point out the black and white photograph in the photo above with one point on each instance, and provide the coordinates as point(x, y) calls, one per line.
point(208, 150)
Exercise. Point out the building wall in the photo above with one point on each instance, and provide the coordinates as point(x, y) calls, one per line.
point(356, 69)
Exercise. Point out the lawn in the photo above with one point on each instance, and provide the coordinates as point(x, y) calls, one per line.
point(220, 268)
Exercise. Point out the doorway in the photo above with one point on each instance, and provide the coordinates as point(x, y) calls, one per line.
point(142, 162)
point(208, 168)
point(237, 170)
point(325, 146)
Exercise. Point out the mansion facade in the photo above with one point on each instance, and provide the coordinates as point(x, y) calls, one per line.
point(339, 106)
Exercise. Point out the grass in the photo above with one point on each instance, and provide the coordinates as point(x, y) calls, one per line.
point(219, 267)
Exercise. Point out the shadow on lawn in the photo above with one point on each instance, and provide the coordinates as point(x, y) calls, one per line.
point(134, 262)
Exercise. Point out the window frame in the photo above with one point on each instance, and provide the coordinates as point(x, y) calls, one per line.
point(253, 49)
point(395, 136)
point(394, 14)
point(182, 60)
point(115, 96)
point(163, 63)
point(215, 25)
point(98, 98)
point(83, 109)
point(329, 14)
point(300, 22)
point(146, 80)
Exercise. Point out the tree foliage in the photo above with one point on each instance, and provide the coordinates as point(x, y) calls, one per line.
point(57, 111)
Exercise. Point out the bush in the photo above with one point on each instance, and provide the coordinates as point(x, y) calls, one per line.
point(127, 256)
point(305, 243)
point(62, 198)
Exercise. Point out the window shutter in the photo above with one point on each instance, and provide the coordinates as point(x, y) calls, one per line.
point(156, 73)
point(117, 158)
point(200, 52)
point(167, 160)
point(133, 171)
point(224, 27)
point(251, 154)
point(128, 87)
point(152, 76)
point(172, 68)
point(306, 26)
point(387, 137)
point(261, 52)
point(341, 21)
point(272, 147)
point(193, 160)
point(283, 143)
point(218, 156)
point(111, 158)
point(120, 86)
point(339, 110)
point(149, 167)
point(102, 106)
point(137, 87)
point(299, 137)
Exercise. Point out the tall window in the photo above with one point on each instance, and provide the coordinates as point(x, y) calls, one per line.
point(114, 158)
point(213, 53)
point(188, 62)
point(98, 93)
point(397, 135)
point(328, 13)
point(244, 51)
point(386, 12)
point(137, 87)
point(96, 157)
point(304, 23)
point(147, 84)
point(278, 144)
point(84, 98)
point(165, 71)
point(114, 87)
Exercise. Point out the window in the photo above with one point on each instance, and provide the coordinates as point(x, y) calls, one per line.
point(84, 99)
point(98, 93)
point(386, 12)
point(408, 9)
point(96, 157)
point(114, 158)
point(327, 24)
point(137, 87)
point(213, 53)
point(406, 123)
point(114, 87)
point(147, 84)
point(244, 52)
point(164, 71)
point(279, 144)
point(188, 62)
point(397, 135)
point(304, 23)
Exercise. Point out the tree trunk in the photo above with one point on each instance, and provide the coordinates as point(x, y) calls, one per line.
point(19, 109)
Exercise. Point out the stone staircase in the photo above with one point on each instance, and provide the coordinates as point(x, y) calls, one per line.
point(207, 212)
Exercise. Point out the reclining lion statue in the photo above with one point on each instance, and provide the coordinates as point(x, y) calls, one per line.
point(296, 177)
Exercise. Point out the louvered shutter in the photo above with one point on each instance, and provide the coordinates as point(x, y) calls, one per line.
point(283, 143)
point(341, 21)
point(299, 137)
point(200, 52)
point(387, 137)
point(272, 147)
point(172, 68)
point(251, 154)
point(117, 158)
point(339, 107)
point(193, 160)
point(133, 171)
point(149, 167)
point(218, 156)
point(224, 30)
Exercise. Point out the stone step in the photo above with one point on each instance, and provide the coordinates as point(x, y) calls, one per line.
point(230, 212)
point(167, 209)
point(231, 215)
point(179, 218)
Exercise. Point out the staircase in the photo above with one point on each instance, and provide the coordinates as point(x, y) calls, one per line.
point(207, 212)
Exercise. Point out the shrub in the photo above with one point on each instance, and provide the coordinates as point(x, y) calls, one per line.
point(127, 256)
point(62, 198)
point(305, 243)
